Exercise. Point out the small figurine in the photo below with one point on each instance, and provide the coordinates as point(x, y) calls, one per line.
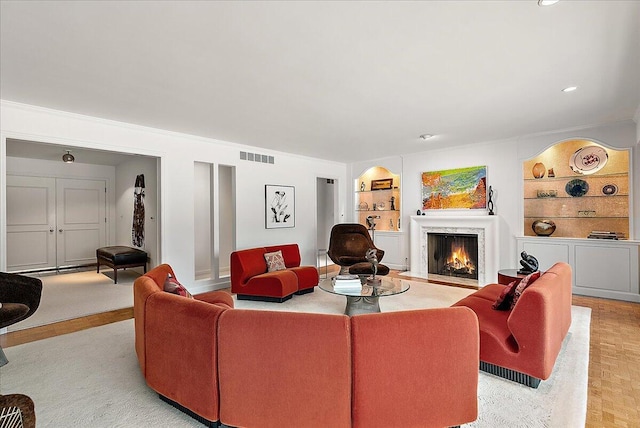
point(362, 186)
point(393, 203)
point(372, 257)
point(529, 264)
point(490, 202)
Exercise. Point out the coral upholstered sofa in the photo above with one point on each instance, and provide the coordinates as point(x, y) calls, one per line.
point(522, 343)
point(250, 368)
point(252, 280)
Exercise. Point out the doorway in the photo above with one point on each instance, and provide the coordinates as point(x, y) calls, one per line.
point(54, 223)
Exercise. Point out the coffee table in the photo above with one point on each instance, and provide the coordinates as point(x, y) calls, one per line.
point(365, 301)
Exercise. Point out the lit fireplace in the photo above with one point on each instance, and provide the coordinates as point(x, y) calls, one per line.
point(453, 255)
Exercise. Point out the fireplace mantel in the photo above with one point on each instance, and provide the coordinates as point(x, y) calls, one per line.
point(485, 226)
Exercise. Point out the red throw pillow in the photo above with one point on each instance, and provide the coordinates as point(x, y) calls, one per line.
point(526, 281)
point(171, 285)
point(503, 303)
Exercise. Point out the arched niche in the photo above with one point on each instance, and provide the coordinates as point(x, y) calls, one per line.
point(577, 187)
point(377, 196)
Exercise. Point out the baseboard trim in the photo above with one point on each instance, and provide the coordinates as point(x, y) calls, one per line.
point(197, 417)
point(509, 374)
point(304, 291)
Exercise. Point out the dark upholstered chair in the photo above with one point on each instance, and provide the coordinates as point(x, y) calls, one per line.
point(17, 410)
point(19, 299)
point(348, 245)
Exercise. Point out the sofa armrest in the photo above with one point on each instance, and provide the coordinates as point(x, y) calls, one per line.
point(424, 356)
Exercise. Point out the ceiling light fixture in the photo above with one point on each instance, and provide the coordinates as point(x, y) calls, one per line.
point(547, 2)
point(68, 157)
point(570, 89)
point(426, 136)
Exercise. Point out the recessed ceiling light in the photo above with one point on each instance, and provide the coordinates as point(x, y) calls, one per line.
point(426, 136)
point(547, 2)
point(570, 89)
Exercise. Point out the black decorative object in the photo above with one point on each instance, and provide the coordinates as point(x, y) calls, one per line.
point(418, 212)
point(529, 264)
point(490, 202)
point(393, 203)
point(137, 231)
point(577, 187)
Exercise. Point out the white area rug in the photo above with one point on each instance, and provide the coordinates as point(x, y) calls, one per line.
point(91, 378)
point(73, 295)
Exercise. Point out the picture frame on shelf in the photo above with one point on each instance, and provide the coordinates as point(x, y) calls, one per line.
point(280, 203)
point(382, 184)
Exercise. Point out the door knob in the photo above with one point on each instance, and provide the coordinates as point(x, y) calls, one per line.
point(50, 230)
point(60, 230)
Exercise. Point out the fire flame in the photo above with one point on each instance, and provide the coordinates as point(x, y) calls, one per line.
point(460, 259)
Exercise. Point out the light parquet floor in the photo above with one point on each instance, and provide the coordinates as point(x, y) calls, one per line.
point(614, 356)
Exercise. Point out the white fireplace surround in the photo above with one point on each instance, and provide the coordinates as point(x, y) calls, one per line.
point(484, 226)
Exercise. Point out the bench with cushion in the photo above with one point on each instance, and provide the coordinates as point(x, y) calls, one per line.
point(121, 257)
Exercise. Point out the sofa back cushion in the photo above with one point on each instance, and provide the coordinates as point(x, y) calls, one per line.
point(143, 287)
point(246, 264)
point(290, 253)
point(284, 369)
point(403, 357)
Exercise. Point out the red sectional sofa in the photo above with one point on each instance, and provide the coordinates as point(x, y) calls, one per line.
point(522, 344)
point(250, 279)
point(266, 369)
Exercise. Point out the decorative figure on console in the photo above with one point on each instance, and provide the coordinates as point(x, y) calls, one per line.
point(393, 203)
point(490, 202)
point(372, 257)
point(529, 264)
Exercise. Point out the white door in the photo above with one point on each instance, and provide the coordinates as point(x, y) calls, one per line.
point(31, 222)
point(81, 220)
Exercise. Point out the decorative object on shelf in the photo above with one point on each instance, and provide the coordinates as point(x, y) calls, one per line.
point(362, 186)
point(391, 223)
point(382, 184)
point(393, 203)
point(603, 234)
point(398, 223)
point(586, 213)
point(577, 187)
point(588, 160)
point(418, 212)
point(610, 189)
point(546, 193)
point(363, 206)
point(280, 203)
point(544, 227)
point(380, 206)
point(490, 202)
point(550, 173)
point(529, 264)
point(538, 170)
point(459, 188)
point(375, 206)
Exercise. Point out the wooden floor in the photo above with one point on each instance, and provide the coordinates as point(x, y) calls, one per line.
point(614, 356)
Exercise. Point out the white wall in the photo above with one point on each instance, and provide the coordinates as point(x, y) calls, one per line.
point(126, 174)
point(178, 152)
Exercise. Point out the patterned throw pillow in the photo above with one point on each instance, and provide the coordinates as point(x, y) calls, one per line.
point(526, 281)
point(275, 261)
point(503, 303)
point(171, 285)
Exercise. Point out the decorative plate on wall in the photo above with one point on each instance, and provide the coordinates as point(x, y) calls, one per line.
point(610, 189)
point(577, 187)
point(588, 160)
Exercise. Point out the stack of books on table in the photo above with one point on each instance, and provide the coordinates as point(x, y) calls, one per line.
point(347, 283)
point(602, 234)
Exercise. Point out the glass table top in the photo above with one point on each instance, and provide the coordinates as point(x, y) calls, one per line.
point(387, 287)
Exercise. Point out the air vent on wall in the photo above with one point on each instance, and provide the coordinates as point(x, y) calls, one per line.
point(256, 157)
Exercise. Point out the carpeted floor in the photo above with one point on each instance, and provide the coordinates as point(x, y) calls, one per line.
point(91, 378)
point(73, 295)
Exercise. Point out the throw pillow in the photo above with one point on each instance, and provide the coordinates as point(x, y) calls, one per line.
point(275, 261)
point(171, 285)
point(503, 302)
point(526, 281)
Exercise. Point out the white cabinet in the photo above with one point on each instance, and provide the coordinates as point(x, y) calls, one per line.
point(601, 268)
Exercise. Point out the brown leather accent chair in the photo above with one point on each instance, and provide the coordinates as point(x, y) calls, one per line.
point(19, 299)
point(348, 245)
point(17, 410)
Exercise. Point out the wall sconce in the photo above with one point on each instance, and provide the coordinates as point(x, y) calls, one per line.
point(68, 157)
